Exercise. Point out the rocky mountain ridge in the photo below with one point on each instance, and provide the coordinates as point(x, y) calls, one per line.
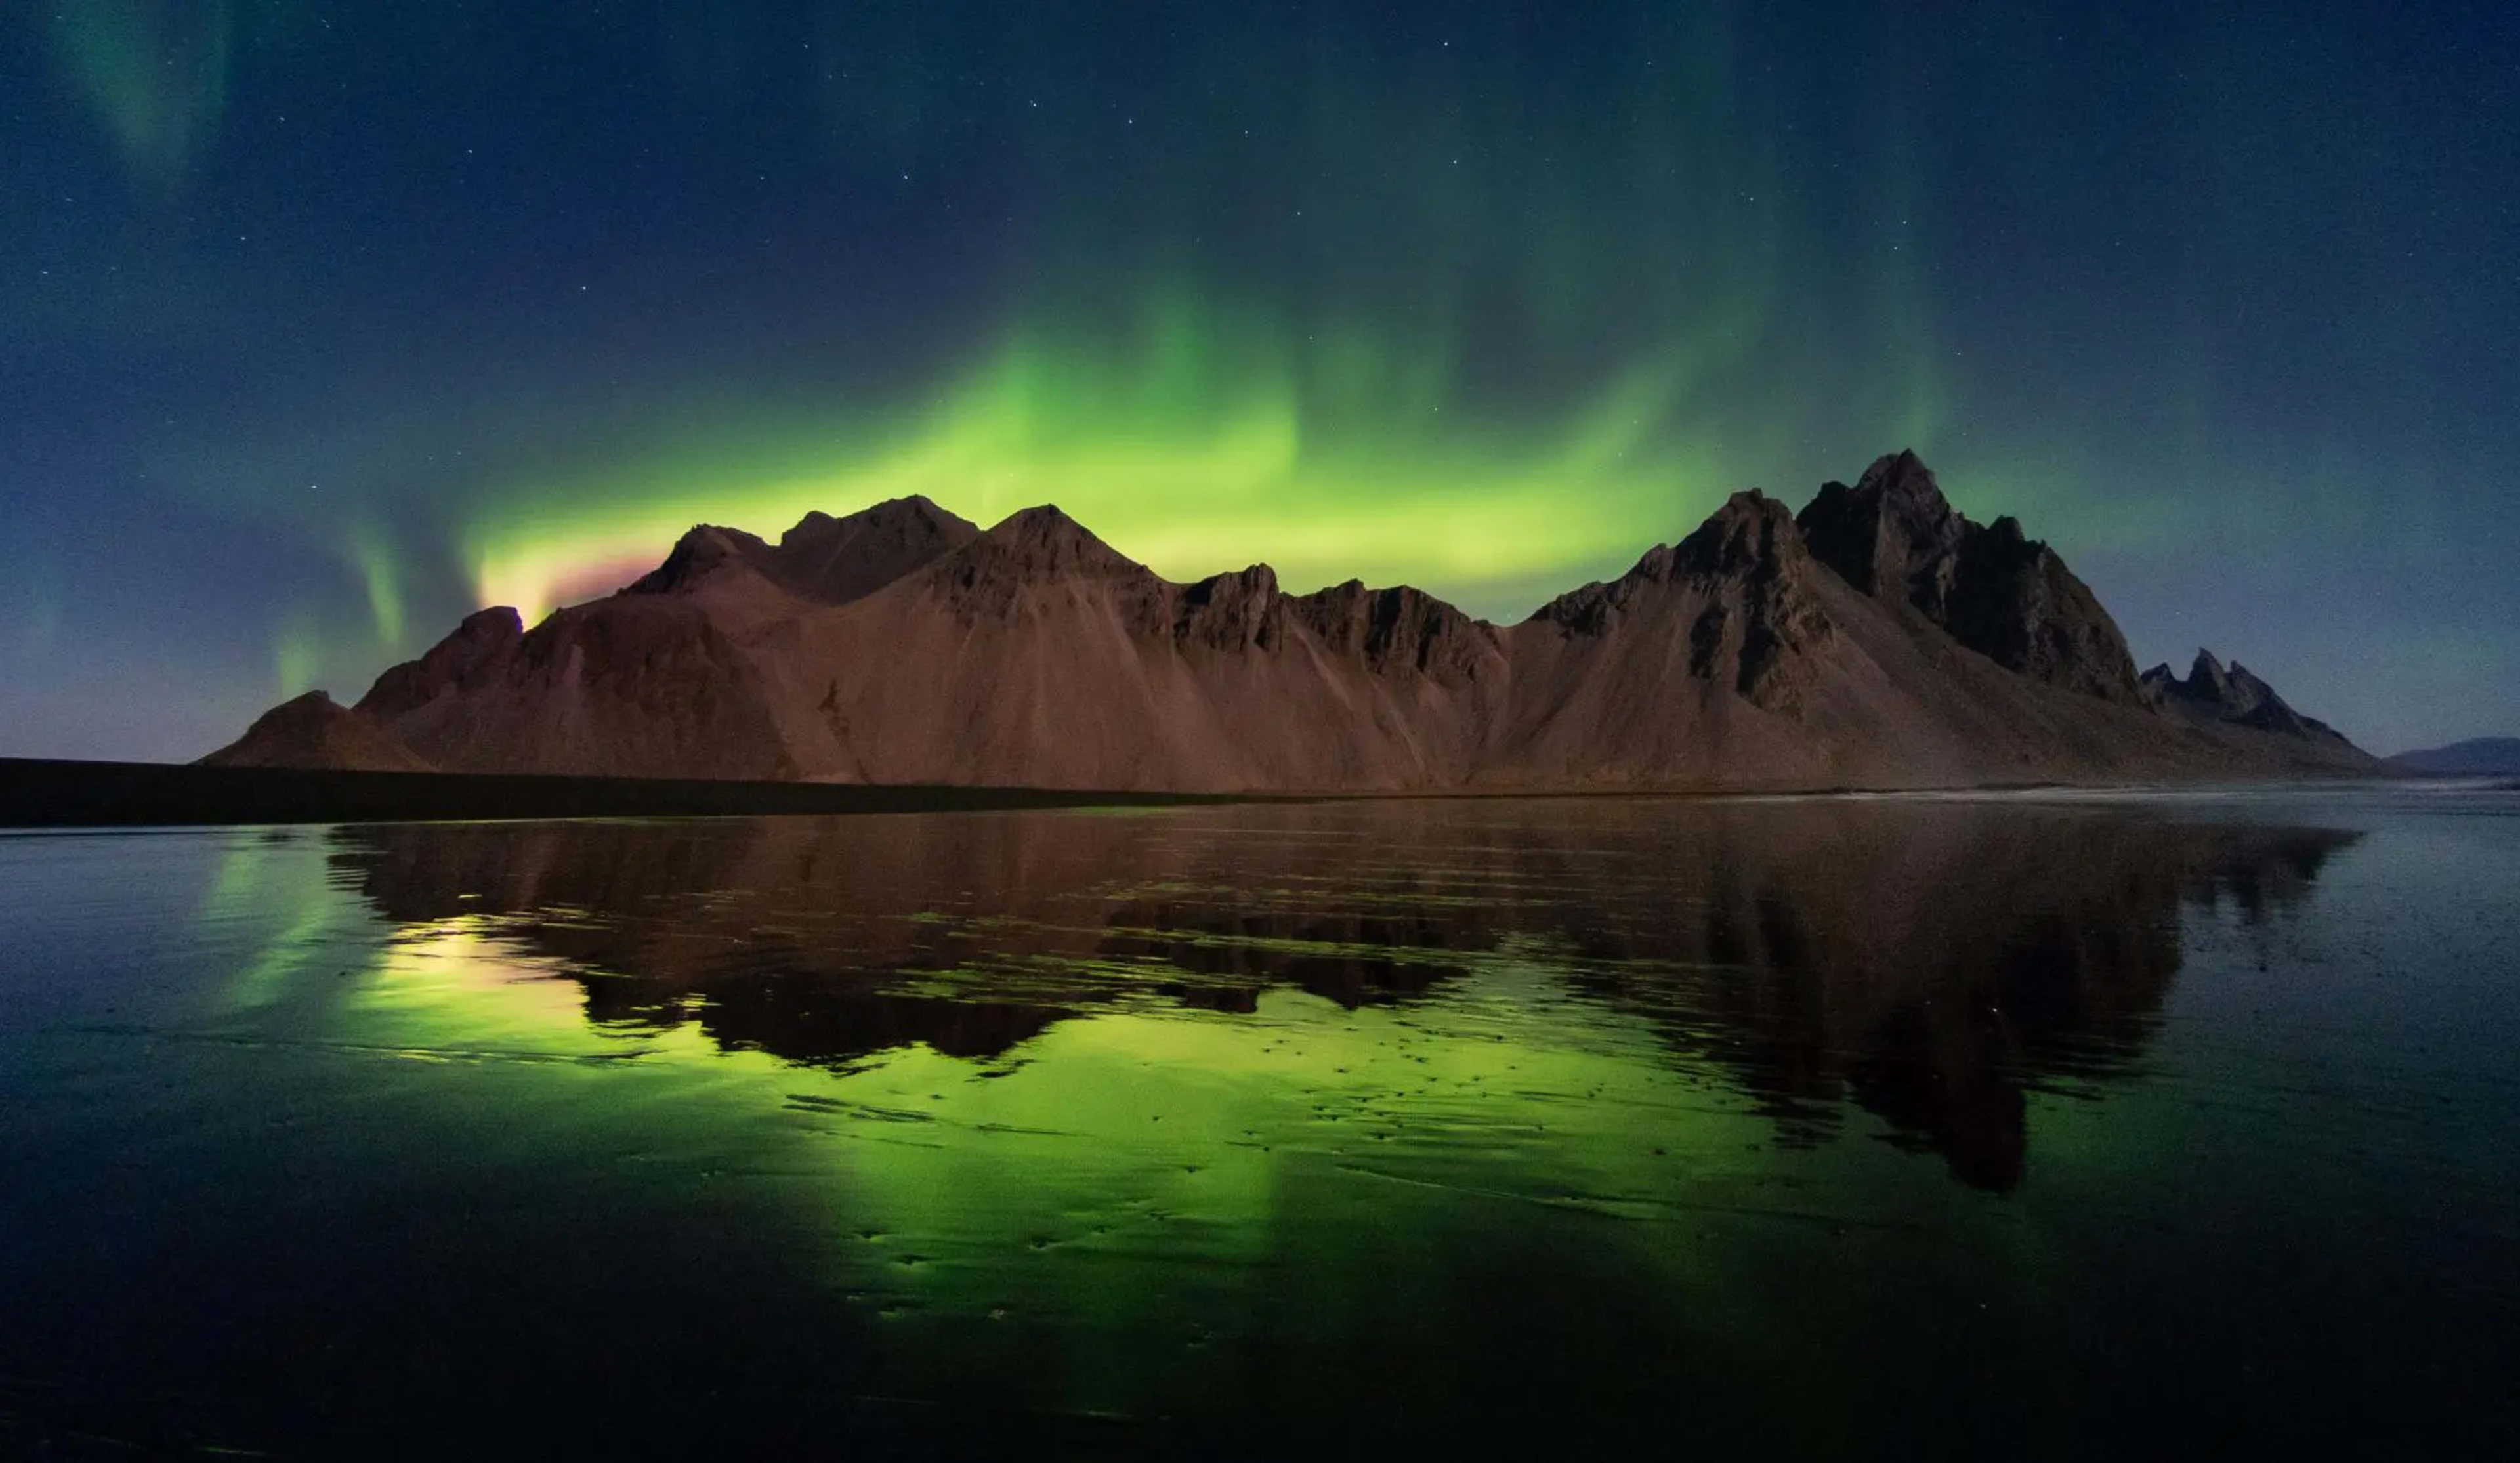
point(2213, 695)
point(2007, 596)
point(1878, 638)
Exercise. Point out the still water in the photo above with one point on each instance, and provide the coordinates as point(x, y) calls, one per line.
point(2014, 1127)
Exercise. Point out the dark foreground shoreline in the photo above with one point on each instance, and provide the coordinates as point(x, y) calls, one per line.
point(48, 793)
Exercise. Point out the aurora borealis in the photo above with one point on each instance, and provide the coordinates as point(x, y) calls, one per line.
point(323, 324)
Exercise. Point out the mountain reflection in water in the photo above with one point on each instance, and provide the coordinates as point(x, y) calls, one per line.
point(1929, 963)
point(2053, 1125)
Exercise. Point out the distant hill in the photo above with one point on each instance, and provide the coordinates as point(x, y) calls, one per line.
point(2480, 757)
point(1879, 639)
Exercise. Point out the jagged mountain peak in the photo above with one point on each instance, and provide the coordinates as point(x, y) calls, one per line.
point(836, 560)
point(892, 513)
point(485, 640)
point(1893, 535)
point(1255, 585)
point(1992, 587)
point(1750, 536)
point(497, 622)
point(1749, 533)
point(1229, 610)
point(2008, 529)
point(1031, 551)
point(2232, 694)
point(827, 559)
point(1902, 479)
point(1043, 540)
point(1398, 629)
point(705, 551)
point(912, 516)
point(1733, 602)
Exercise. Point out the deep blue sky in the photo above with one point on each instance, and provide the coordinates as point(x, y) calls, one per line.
point(320, 324)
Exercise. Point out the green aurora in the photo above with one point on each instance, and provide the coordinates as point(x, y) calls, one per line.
point(341, 326)
point(1193, 447)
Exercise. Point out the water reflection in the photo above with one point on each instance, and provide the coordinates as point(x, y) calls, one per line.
point(1929, 964)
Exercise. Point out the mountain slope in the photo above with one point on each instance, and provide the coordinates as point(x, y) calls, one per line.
point(315, 731)
point(1879, 639)
point(1037, 654)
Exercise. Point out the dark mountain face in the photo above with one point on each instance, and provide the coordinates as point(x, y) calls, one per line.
point(1755, 619)
point(2009, 598)
point(1880, 639)
point(1892, 535)
point(1399, 631)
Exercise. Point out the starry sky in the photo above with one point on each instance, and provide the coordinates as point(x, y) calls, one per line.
point(322, 324)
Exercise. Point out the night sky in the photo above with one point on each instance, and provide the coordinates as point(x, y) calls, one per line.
point(323, 324)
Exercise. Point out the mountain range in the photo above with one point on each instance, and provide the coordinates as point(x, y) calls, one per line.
point(1878, 638)
point(2478, 757)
